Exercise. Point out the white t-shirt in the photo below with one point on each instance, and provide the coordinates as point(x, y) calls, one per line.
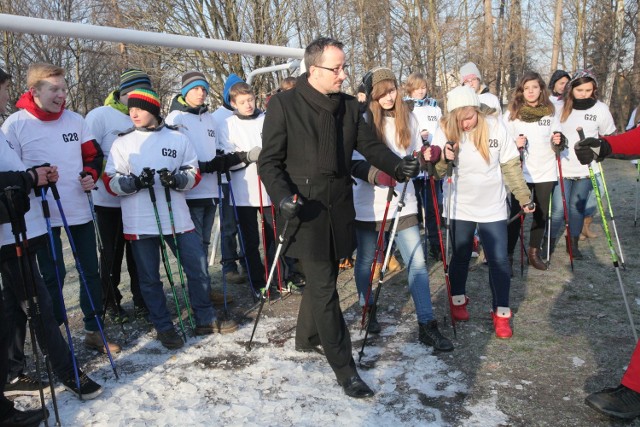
point(106, 123)
point(34, 219)
point(539, 158)
point(492, 101)
point(595, 121)
point(130, 154)
point(201, 131)
point(370, 200)
point(428, 118)
point(243, 135)
point(57, 142)
point(479, 193)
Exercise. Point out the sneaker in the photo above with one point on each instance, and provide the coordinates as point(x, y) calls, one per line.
point(24, 385)
point(220, 326)
point(429, 334)
point(217, 298)
point(459, 312)
point(502, 326)
point(170, 339)
point(24, 418)
point(619, 402)
point(296, 279)
point(235, 278)
point(89, 389)
point(118, 314)
point(295, 289)
point(93, 340)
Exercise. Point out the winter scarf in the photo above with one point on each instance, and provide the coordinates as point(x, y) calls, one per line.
point(328, 108)
point(27, 102)
point(530, 114)
point(178, 103)
point(584, 104)
point(113, 101)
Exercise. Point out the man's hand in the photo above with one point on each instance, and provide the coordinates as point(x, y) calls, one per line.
point(408, 168)
point(290, 206)
point(590, 149)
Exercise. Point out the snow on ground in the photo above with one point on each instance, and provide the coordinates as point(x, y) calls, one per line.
point(215, 381)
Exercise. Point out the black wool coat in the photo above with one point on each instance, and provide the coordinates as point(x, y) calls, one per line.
point(324, 228)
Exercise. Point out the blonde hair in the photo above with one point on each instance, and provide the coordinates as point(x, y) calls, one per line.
point(39, 71)
point(450, 124)
point(402, 117)
point(415, 81)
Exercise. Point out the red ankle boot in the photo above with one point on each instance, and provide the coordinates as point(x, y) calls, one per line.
point(502, 326)
point(459, 312)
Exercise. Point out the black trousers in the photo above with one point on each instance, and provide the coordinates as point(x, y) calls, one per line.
point(5, 337)
point(114, 248)
point(542, 192)
point(320, 320)
point(14, 317)
point(249, 217)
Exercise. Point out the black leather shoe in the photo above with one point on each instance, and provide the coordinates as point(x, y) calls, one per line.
point(618, 402)
point(27, 418)
point(430, 335)
point(356, 388)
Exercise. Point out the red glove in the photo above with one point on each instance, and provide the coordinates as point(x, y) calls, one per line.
point(384, 180)
point(436, 152)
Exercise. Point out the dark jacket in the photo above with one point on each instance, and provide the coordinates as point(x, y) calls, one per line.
point(287, 165)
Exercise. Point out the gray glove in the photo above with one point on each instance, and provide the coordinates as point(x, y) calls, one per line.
point(253, 154)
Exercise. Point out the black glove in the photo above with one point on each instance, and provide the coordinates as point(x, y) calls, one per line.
point(590, 149)
point(290, 206)
point(217, 164)
point(14, 203)
point(564, 143)
point(145, 180)
point(408, 167)
point(171, 179)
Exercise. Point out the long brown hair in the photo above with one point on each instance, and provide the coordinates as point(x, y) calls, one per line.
point(567, 108)
point(402, 115)
point(450, 124)
point(517, 100)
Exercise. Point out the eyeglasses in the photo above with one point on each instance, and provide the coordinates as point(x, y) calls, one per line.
point(336, 71)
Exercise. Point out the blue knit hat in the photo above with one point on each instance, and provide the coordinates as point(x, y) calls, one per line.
point(192, 79)
point(233, 79)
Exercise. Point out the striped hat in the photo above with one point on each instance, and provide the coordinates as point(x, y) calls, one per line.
point(145, 99)
point(133, 78)
point(191, 79)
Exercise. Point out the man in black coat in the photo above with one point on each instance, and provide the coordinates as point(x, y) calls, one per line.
point(309, 135)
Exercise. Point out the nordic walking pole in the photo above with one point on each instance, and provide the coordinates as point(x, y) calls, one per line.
point(378, 251)
point(613, 221)
point(56, 197)
point(275, 238)
point(222, 254)
point(264, 238)
point(54, 257)
point(450, 165)
point(254, 293)
point(521, 152)
point(18, 228)
point(549, 231)
point(635, 215)
point(163, 251)
point(612, 251)
point(167, 194)
point(92, 208)
point(564, 207)
point(385, 264)
point(281, 241)
point(445, 266)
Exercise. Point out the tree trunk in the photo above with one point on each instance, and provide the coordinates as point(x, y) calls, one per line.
point(489, 71)
point(612, 66)
point(557, 36)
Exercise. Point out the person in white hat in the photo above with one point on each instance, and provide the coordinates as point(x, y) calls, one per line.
point(470, 76)
point(485, 160)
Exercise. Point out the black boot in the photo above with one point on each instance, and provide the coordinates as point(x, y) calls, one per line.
point(25, 418)
point(429, 334)
point(619, 402)
point(574, 248)
point(355, 387)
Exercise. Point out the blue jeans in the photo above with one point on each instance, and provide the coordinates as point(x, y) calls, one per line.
point(409, 243)
point(576, 194)
point(592, 203)
point(147, 255)
point(84, 237)
point(494, 242)
point(203, 218)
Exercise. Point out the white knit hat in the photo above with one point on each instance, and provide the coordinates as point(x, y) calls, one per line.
point(462, 96)
point(468, 71)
